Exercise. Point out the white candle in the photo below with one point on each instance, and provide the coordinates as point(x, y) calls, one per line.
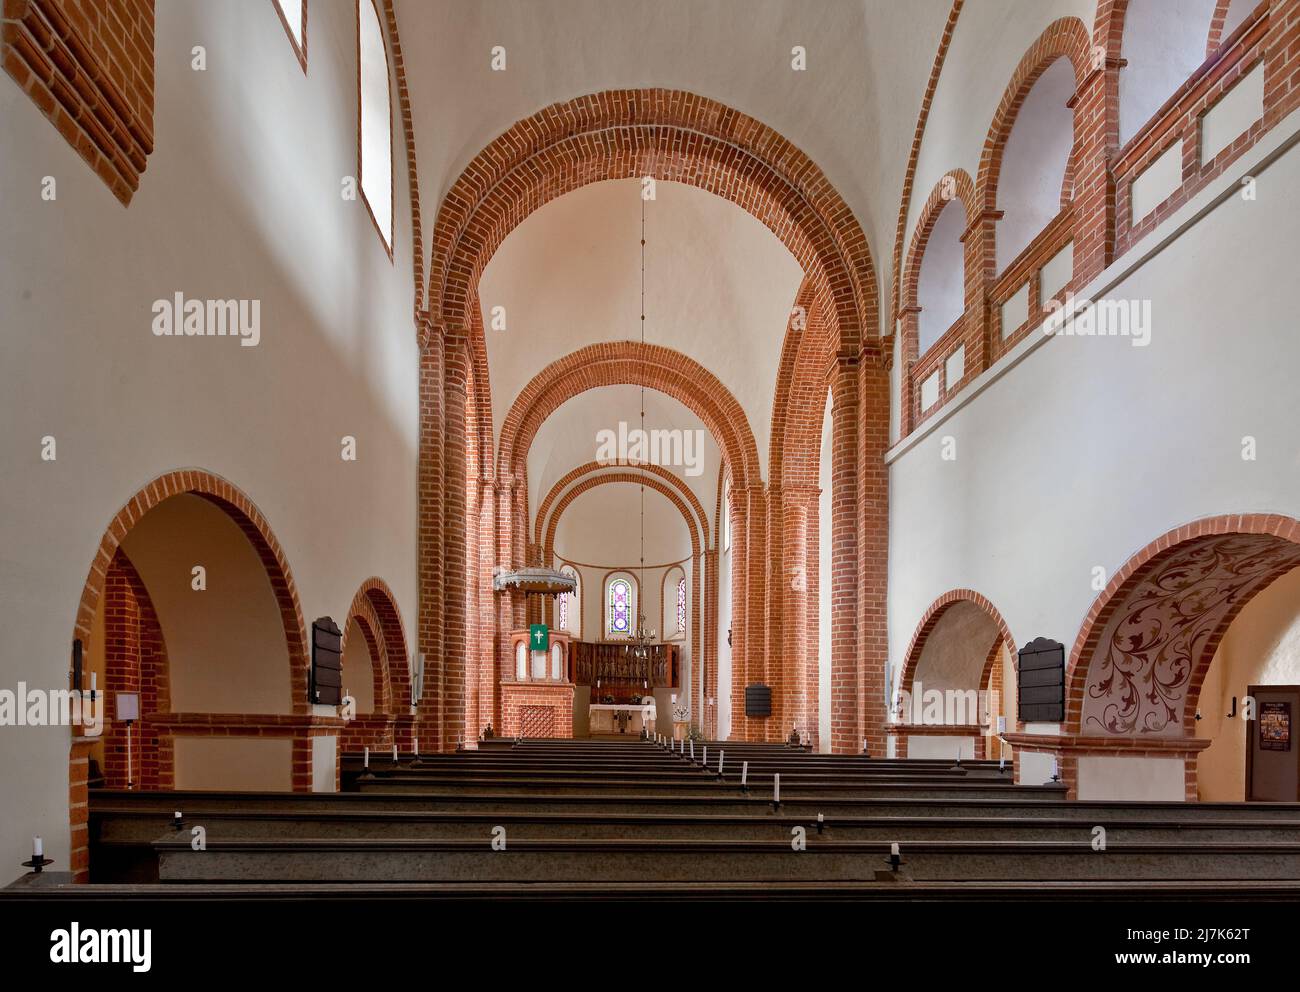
point(744, 773)
point(415, 746)
point(705, 760)
point(692, 749)
point(821, 817)
point(394, 751)
point(38, 849)
point(92, 681)
point(176, 815)
point(721, 755)
point(366, 758)
point(1055, 769)
point(776, 788)
point(893, 849)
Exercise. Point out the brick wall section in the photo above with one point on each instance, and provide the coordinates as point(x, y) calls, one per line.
point(89, 66)
point(517, 698)
point(135, 657)
point(79, 807)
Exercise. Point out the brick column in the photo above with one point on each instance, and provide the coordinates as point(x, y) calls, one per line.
point(710, 640)
point(431, 513)
point(1096, 102)
point(486, 627)
point(873, 548)
point(845, 736)
point(739, 618)
point(451, 713)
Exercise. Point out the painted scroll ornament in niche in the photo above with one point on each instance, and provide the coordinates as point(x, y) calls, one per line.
point(1170, 622)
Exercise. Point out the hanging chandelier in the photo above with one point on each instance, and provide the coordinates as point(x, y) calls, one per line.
point(642, 638)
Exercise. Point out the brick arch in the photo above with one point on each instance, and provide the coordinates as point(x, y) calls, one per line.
point(1066, 37)
point(930, 620)
point(972, 270)
point(618, 363)
point(236, 505)
point(671, 135)
point(1144, 648)
point(964, 192)
point(375, 606)
point(676, 482)
point(635, 478)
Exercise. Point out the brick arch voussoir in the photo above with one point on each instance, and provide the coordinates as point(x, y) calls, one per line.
point(1173, 543)
point(629, 363)
point(801, 388)
point(675, 136)
point(245, 514)
point(930, 620)
point(1065, 37)
point(591, 468)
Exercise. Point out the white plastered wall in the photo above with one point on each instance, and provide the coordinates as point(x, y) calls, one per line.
point(1089, 448)
point(241, 198)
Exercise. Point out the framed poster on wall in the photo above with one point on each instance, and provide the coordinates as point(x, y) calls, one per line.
point(1275, 726)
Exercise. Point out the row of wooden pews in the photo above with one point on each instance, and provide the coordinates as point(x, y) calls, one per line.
point(577, 819)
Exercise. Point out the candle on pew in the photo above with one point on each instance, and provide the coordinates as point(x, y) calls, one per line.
point(415, 746)
point(893, 849)
point(776, 787)
point(394, 752)
point(744, 774)
point(721, 755)
point(365, 757)
point(692, 749)
point(38, 849)
point(705, 759)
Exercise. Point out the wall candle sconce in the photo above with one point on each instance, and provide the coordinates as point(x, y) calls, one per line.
point(38, 860)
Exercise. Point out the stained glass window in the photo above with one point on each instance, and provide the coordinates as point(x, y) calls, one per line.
point(681, 605)
point(619, 600)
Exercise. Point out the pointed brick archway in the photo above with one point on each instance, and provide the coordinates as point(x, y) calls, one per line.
point(678, 137)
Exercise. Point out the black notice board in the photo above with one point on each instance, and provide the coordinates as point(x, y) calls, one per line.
point(1040, 681)
point(326, 662)
point(758, 700)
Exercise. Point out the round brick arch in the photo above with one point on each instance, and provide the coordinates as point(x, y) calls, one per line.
point(1160, 619)
point(630, 363)
point(375, 609)
point(955, 185)
point(673, 136)
point(1066, 37)
point(245, 514)
point(930, 620)
point(684, 491)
